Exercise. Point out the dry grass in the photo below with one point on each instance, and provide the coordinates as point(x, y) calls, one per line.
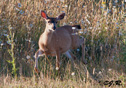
point(103, 26)
point(68, 82)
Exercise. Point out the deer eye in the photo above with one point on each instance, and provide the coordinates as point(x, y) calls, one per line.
point(49, 21)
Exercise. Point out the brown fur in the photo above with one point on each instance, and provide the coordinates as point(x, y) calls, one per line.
point(55, 42)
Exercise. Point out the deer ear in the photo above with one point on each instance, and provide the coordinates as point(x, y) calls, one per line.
point(43, 14)
point(61, 16)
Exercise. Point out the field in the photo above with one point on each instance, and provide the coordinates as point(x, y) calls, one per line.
point(103, 25)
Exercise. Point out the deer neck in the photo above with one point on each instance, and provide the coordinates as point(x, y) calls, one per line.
point(48, 35)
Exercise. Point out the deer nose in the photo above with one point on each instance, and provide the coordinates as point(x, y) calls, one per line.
point(54, 26)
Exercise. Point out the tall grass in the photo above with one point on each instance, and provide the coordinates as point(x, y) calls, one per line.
point(103, 26)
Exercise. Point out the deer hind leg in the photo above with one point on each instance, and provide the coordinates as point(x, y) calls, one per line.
point(70, 55)
point(37, 55)
point(82, 42)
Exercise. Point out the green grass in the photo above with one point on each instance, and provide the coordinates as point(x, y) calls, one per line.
point(103, 26)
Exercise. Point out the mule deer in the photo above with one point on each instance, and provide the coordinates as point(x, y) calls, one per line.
point(56, 41)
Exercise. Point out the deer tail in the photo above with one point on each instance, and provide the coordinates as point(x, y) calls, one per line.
point(77, 26)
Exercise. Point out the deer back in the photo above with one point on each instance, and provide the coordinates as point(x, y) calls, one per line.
point(73, 32)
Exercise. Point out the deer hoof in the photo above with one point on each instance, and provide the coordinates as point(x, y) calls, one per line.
point(73, 73)
point(36, 70)
point(57, 68)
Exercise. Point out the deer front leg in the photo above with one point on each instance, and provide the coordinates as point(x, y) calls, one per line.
point(37, 55)
point(57, 61)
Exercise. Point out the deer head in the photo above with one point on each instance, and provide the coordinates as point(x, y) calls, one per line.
point(50, 21)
